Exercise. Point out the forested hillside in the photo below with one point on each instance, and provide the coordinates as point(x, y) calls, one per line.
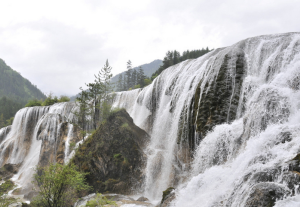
point(15, 92)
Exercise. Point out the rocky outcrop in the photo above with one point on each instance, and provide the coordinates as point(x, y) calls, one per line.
point(113, 155)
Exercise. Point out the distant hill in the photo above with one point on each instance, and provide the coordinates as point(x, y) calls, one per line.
point(15, 87)
point(15, 91)
point(148, 68)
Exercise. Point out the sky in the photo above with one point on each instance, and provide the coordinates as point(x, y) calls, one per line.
point(60, 44)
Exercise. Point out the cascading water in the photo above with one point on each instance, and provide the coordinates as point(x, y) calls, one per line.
point(36, 136)
point(239, 108)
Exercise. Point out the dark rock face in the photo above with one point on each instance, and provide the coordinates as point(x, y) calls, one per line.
point(113, 155)
point(220, 97)
point(8, 170)
point(265, 195)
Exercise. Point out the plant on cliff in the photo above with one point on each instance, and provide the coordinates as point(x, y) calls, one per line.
point(57, 185)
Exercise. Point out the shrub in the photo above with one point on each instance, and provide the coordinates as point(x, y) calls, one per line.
point(100, 201)
point(58, 185)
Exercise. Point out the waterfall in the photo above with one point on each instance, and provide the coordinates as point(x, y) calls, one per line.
point(35, 137)
point(224, 126)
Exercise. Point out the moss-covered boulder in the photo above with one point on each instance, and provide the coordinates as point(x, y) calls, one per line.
point(113, 155)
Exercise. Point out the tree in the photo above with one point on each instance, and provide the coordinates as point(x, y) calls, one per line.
point(103, 79)
point(2, 123)
point(83, 111)
point(57, 185)
point(141, 76)
point(93, 93)
point(134, 77)
point(120, 83)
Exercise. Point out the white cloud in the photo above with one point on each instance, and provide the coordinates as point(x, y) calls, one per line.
point(59, 45)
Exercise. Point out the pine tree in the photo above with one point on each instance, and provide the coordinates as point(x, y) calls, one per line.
point(2, 123)
point(128, 73)
point(141, 77)
point(83, 111)
point(103, 79)
point(120, 83)
point(134, 77)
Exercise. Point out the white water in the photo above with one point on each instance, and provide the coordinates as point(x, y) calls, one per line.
point(31, 127)
point(252, 144)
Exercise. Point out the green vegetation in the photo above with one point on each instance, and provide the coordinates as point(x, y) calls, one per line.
point(100, 201)
point(15, 87)
point(166, 193)
point(96, 101)
point(134, 79)
point(4, 188)
point(8, 108)
point(58, 185)
point(50, 100)
point(174, 57)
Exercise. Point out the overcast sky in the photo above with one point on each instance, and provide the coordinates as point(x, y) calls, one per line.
point(59, 44)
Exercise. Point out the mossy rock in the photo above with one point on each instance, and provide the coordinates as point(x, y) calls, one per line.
point(113, 155)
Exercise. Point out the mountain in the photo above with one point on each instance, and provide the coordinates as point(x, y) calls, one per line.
point(15, 91)
point(15, 87)
point(148, 69)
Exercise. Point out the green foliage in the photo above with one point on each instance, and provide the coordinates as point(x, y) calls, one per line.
point(15, 87)
point(34, 102)
point(174, 57)
point(137, 86)
point(50, 100)
point(63, 99)
point(147, 82)
point(96, 101)
point(8, 108)
point(116, 156)
point(4, 199)
point(58, 185)
point(125, 125)
point(100, 201)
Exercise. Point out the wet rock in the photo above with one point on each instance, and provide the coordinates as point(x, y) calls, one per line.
point(8, 170)
point(118, 198)
point(265, 195)
point(217, 101)
point(113, 156)
point(142, 199)
point(168, 197)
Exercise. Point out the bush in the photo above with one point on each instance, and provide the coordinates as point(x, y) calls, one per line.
point(58, 185)
point(4, 188)
point(33, 102)
point(64, 99)
point(100, 201)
